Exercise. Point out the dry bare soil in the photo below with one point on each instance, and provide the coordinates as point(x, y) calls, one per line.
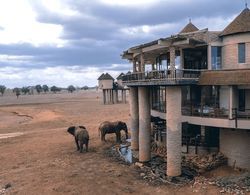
point(38, 156)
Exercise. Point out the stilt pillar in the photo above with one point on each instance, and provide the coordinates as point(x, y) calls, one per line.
point(144, 124)
point(173, 119)
point(134, 117)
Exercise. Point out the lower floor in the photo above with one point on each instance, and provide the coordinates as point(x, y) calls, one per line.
point(202, 140)
point(186, 133)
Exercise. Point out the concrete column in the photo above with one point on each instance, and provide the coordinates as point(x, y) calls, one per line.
point(142, 63)
point(172, 61)
point(103, 96)
point(144, 124)
point(181, 59)
point(134, 117)
point(232, 100)
point(139, 67)
point(209, 56)
point(173, 119)
point(115, 96)
point(134, 65)
point(112, 96)
point(125, 96)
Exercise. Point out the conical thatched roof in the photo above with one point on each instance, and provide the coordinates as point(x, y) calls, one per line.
point(120, 76)
point(106, 76)
point(100, 77)
point(239, 25)
point(189, 28)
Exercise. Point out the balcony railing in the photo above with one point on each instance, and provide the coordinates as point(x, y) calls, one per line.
point(215, 112)
point(205, 111)
point(241, 114)
point(162, 75)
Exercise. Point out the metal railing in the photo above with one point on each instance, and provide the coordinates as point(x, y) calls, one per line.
point(240, 113)
point(205, 111)
point(162, 75)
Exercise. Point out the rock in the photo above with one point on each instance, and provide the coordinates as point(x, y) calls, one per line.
point(8, 185)
point(142, 174)
point(138, 164)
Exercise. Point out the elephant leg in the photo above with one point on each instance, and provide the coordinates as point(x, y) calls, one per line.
point(77, 145)
point(81, 147)
point(87, 145)
point(103, 136)
point(118, 137)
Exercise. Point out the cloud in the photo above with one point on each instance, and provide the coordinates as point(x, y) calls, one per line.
point(70, 75)
point(45, 36)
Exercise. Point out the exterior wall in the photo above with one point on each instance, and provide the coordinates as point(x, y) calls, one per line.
point(230, 51)
point(105, 84)
point(235, 145)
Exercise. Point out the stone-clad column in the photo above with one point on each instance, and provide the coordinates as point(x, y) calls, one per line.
point(173, 120)
point(144, 124)
point(134, 118)
point(134, 65)
point(142, 63)
point(172, 61)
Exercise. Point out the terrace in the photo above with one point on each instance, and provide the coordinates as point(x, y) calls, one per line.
point(162, 77)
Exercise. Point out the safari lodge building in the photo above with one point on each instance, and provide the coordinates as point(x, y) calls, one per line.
point(197, 84)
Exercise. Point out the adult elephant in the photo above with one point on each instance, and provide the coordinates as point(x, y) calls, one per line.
point(113, 127)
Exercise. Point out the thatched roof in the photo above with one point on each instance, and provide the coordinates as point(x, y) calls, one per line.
point(120, 76)
point(239, 25)
point(225, 77)
point(189, 28)
point(106, 76)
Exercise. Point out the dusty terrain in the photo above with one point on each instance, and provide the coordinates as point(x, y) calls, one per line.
point(38, 156)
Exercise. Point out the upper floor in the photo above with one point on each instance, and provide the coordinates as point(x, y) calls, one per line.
point(183, 58)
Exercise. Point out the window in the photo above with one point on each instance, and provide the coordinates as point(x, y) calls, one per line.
point(242, 99)
point(241, 53)
point(216, 58)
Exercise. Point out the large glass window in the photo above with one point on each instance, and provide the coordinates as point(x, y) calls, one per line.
point(241, 53)
point(216, 58)
point(159, 98)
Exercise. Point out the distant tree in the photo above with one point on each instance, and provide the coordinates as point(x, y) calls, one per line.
point(85, 87)
point(39, 89)
point(2, 89)
point(71, 88)
point(25, 90)
point(17, 91)
point(45, 88)
point(55, 89)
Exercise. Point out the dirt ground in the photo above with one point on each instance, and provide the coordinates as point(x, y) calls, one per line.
point(38, 156)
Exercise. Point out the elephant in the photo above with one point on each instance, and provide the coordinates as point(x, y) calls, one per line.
point(107, 127)
point(81, 136)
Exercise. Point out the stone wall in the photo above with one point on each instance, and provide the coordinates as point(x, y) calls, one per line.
point(230, 51)
point(235, 145)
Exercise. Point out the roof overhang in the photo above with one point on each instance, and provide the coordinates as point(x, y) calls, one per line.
point(225, 77)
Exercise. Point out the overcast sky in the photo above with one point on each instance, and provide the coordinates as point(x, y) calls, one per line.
point(63, 42)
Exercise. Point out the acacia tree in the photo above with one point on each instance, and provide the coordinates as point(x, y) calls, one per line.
point(39, 89)
point(25, 90)
point(85, 87)
point(45, 88)
point(17, 91)
point(71, 88)
point(2, 89)
point(55, 89)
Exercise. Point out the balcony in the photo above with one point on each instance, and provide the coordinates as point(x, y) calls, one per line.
point(162, 77)
point(205, 111)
